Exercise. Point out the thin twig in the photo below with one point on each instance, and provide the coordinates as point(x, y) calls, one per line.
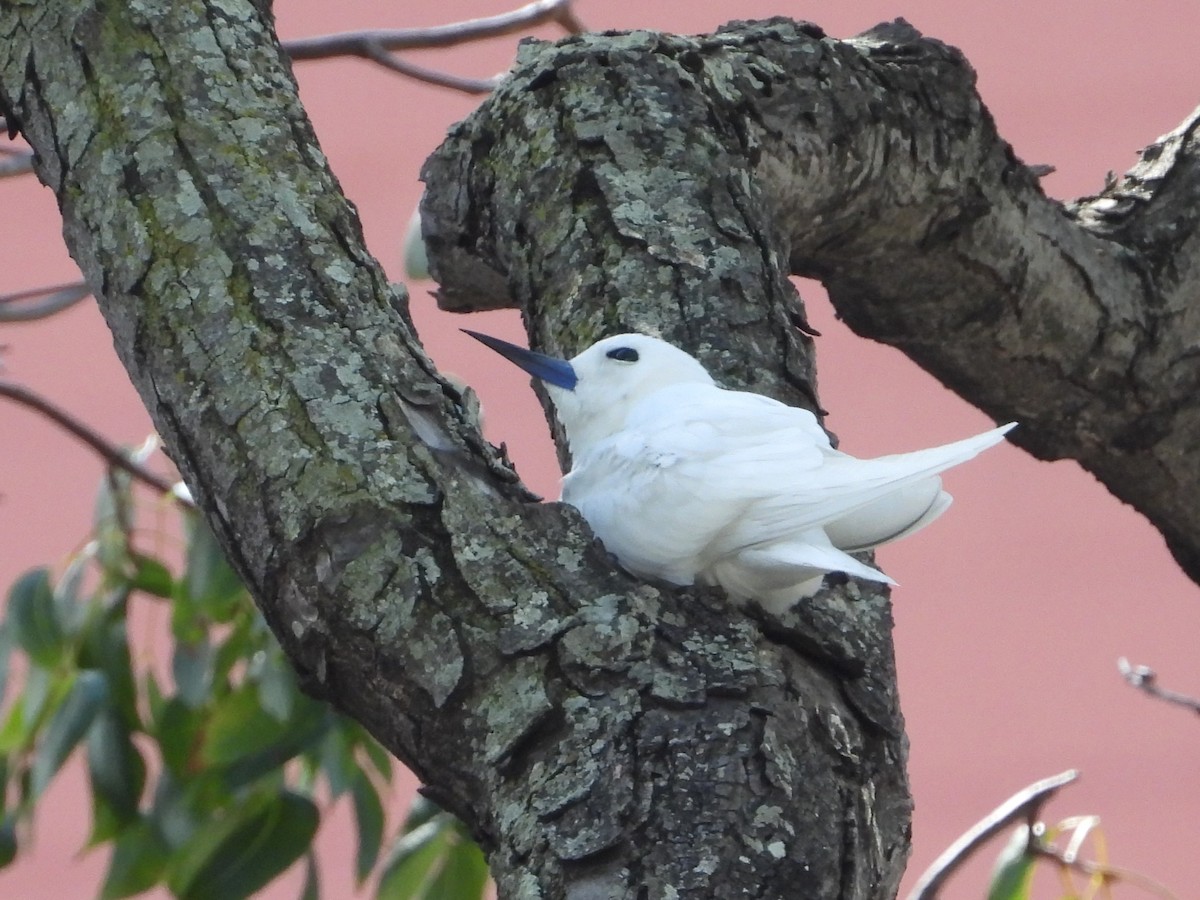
point(1145, 680)
point(54, 299)
point(16, 162)
point(355, 43)
point(1108, 873)
point(1025, 805)
point(111, 453)
point(376, 53)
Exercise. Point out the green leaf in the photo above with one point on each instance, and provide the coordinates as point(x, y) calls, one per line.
point(152, 692)
point(43, 690)
point(13, 730)
point(312, 878)
point(178, 729)
point(83, 702)
point(6, 646)
point(414, 862)
point(379, 757)
point(277, 690)
point(434, 861)
point(368, 813)
point(239, 854)
point(248, 743)
point(118, 775)
point(152, 577)
point(192, 669)
point(464, 873)
point(241, 644)
point(336, 760)
point(209, 582)
point(8, 840)
point(34, 621)
point(112, 499)
point(69, 607)
point(178, 808)
point(138, 862)
point(105, 646)
point(113, 504)
point(1012, 876)
point(420, 811)
point(238, 727)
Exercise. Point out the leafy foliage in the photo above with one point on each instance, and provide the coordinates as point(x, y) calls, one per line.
point(206, 780)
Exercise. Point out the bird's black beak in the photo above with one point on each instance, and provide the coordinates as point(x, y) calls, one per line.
point(549, 369)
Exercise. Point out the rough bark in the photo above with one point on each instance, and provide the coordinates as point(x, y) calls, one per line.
point(603, 738)
point(886, 179)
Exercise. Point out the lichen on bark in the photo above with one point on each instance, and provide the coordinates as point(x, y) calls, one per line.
point(602, 737)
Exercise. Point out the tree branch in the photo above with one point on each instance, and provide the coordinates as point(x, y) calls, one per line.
point(604, 187)
point(600, 736)
point(112, 454)
point(1146, 680)
point(15, 162)
point(13, 307)
point(887, 181)
point(376, 53)
point(360, 43)
point(1024, 806)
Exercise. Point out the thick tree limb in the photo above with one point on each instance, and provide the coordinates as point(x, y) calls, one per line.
point(604, 187)
point(602, 738)
point(889, 182)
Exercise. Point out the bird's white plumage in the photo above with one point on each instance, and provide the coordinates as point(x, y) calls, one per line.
point(686, 482)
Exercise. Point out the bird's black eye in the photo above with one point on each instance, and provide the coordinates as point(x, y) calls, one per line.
point(624, 354)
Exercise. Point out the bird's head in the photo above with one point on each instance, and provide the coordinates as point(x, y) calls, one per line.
point(594, 391)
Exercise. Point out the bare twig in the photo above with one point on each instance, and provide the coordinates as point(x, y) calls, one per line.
point(356, 43)
point(53, 300)
point(378, 46)
point(1024, 806)
point(1146, 680)
point(111, 453)
point(16, 162)
point(377, 53)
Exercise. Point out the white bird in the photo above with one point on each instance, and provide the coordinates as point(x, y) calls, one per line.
point(687, 482)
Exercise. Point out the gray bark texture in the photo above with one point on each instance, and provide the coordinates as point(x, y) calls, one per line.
point(602, 737)
point(872, 165)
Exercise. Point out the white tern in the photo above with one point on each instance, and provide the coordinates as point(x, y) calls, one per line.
point(688, 482)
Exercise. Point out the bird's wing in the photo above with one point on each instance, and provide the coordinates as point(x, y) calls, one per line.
point(690, 459)
point(767, 470)
point(902, 489)
point(699, 473)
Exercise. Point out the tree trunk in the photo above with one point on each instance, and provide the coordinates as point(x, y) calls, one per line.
point(602, 737)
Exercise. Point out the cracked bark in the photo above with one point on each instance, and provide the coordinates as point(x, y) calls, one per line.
point(886, 180)
point(602, 738)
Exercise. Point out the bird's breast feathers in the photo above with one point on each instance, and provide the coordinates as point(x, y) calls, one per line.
point(662, 491)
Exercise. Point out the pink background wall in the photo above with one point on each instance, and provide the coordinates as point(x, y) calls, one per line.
point(1012, 609)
